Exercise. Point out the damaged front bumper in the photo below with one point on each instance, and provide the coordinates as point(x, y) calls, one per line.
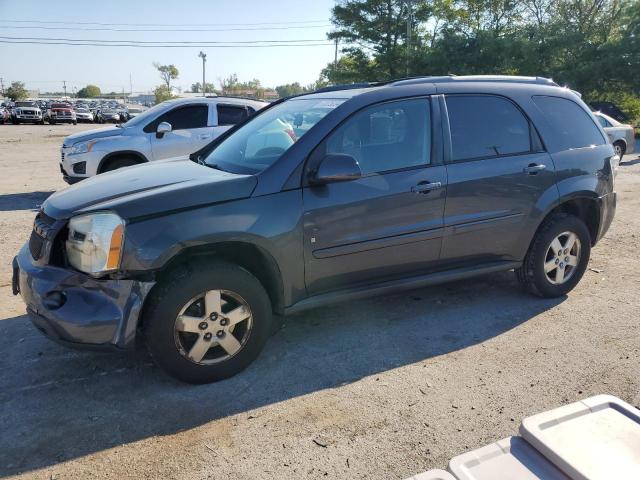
point(76, 309)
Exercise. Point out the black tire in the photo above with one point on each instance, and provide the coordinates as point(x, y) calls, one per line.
point(118, 162)
point(532, 275)
point(185, 283)
point(16, 121)
point(52, 122)
point(622, 146)
point(75, 122)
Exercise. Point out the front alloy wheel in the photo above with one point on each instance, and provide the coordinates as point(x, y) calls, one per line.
point(213, 327)
point(206, 321)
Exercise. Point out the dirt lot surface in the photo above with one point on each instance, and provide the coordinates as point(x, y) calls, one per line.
point(378, 389)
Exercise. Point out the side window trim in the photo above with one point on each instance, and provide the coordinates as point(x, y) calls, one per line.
point(231, 105)
point(318, 152)
point(534, 136)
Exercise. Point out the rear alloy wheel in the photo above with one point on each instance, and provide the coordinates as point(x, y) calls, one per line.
point(557, 258)
point(207, 321)
point(619, 149)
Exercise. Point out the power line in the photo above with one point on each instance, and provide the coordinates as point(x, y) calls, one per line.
point(162, 24)
point(108, 29)
point(136, 45)
point(163, 42)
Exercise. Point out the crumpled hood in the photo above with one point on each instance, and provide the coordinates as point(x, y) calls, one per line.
point(91, 134)
point(150, 189)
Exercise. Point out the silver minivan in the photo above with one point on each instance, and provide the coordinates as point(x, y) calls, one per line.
point(172, 129)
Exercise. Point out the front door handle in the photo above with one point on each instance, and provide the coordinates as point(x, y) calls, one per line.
point(204, 136)
point(426, 187)
point(533, 168)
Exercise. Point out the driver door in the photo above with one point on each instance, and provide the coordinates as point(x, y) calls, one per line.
point(188, 124)
point(387, 224)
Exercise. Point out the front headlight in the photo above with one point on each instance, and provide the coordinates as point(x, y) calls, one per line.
point(82, 147)
point(95, 242)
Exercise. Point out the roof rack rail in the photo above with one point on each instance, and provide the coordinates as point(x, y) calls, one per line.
point(345, 86)
point(475, 78)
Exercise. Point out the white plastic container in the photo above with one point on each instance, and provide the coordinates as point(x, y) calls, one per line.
point(508, 459)
point(595, 439)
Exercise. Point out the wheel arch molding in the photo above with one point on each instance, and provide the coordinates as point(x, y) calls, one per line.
point(121, 153)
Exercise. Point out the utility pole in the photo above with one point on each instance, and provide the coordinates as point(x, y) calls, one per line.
point(130, 85)
point(203, 56)
point(408, 42)
point(2, 86)
point(64, 85)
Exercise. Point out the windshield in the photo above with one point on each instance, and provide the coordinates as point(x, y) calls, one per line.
point(146, 116)
point(26, 104)
point(260, 142)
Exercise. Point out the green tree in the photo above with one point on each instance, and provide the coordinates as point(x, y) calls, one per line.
point(167, 73)
point(290, 89)
point(90, 91)
point(197, 88)
point(17, 91)
point(162, 93)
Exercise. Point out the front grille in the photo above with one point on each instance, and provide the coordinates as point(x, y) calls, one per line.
point(36, 245)
point(43, 230)
point(61, 154)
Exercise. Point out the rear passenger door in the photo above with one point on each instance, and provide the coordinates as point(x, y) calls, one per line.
point(498, 171)
point(189, 131)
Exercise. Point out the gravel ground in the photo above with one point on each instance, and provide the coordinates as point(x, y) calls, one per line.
point(378, 389)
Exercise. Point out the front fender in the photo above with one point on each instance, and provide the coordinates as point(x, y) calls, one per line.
point(273, 223)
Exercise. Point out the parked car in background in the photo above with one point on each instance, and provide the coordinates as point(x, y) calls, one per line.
point(391, 187)
point(27, 112)
point(107, 115)
point(61, 113)
point(171, 129)
point(622, 136)
point(5, 115)
point(84, 115)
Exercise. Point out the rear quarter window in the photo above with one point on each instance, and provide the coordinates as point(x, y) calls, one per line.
point(570, 122)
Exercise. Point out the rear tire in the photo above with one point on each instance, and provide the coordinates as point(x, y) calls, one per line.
point(166, 335)
point(544, 272)
point(620, 149)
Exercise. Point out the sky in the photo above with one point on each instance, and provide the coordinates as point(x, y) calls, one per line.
point(44, 67)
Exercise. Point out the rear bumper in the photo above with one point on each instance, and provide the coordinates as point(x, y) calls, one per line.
point(75, 309)
point(607, 212)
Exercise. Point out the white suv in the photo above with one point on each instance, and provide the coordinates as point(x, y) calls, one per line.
point(172, 129)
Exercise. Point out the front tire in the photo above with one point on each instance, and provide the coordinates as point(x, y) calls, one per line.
point(557, 258)
point(206, 322)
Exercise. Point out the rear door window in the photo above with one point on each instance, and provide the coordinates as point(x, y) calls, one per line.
point(570, 122)
point(231, 114)
point(485, 126)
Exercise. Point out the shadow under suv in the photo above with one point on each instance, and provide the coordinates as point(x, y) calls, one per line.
point(319, 198)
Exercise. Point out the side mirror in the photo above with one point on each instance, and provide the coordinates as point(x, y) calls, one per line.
point(336, 167)
point(163, 127)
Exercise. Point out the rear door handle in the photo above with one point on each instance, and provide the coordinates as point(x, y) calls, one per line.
point(533, 168)
point(426, 187)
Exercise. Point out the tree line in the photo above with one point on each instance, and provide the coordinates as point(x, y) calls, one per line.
point(592, 46)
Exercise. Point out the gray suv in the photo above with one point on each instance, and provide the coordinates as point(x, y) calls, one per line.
point(324, 197)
